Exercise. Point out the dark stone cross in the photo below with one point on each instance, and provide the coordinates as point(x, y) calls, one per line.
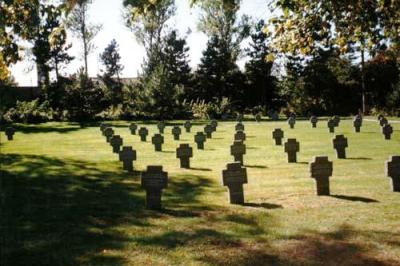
point(314, 121)
point(103, 126)
point(116, 143)
point(331, 125)
point(214, 124)
point(154, 180)
point(133, 128)
point(208, 129)
point(383, 121)
point(161, 126)
point(277, 135)
point(108, 133)
point(387, 131)
point(234, 177)
point(184, 152)
point(291, 121)
point(321, 170)
point(257, 117)
point(392, 170)
point(240, 135)
point(176, 131)
point(340, 145)
point(239, 127)
point(238, 149)
point(379, 117)
point(158, 141)
point(357, 123)
point(291, 148)
point(9, 131)
point(143, 132)
point(336, 119)
point(127, 155)
point(188, 126)
point(200, 138)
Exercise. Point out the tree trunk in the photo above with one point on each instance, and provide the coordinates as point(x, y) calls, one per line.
point(363, 98)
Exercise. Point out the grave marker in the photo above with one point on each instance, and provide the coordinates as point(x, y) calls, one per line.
point(200, 138)
point(238, 149)
point(188, 126)
point(340, 145)
point(336, 119)
point(127, 155)
point(158, 141)
point(133, 127)
point(103, 126)
point(214, 124)
point(143, 132)
point(208, 130)
point(184, 152)
point(331, 125)
point(154, 180)
point(239, 127)
point(291, 121)
point(116, 143)
point(321, 170)
point(277, 135)
point(387, 131)
point(291, 148)
point(392, 170)
point(108, 133)
point(176, 131)
point(383, 121)
point(240, 135)
point(314, 121)
point(257, 117)
point(161, 126)
point(234, 177)
point(357, 123)
point(9, 131)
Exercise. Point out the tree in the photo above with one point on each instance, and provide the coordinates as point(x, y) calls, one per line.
point(82, 29)
point(59, 56)
point(261, 85)
point(111, 60)
point(351, 26)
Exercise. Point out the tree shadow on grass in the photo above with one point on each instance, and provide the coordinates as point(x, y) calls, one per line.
point(256, 166)
point(264, 205)
point(354, 198)
point(30, 129)
point(359, 158)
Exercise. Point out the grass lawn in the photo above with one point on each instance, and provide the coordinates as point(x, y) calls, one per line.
point(66, 201)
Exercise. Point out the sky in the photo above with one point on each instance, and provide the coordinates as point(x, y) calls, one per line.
point(109, 14)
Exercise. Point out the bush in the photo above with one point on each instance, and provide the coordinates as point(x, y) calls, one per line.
point(31, 112)
point(217, 109)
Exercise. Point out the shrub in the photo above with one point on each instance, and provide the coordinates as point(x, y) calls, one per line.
point(30, 112)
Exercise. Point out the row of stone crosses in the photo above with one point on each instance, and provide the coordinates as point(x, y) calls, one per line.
point(154, 179)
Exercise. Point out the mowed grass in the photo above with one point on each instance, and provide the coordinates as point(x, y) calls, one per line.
point(65, 200)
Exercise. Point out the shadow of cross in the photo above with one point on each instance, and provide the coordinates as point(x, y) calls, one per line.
point(154, 180)
point(331, 125)
point(392, 170)
point(240, 135)
point(116, 143)
point(184, 152)
point(127, 155)
point(188, 126)
point(143, 132)
point(200, 138)
point(108, 133)
point(314, 121)
point(387, 131)
point(133, 127)
point(208, 130)
point(238, 149)
point(291, 122)
point(292, 146)
point(340, 145)
point(357, 123)
point(239, 126)
point(234, 177)
point(278, 135)
point(176, 131)
point(321, 170)
point(158, 141)
point(161, 126)
point(9, 131)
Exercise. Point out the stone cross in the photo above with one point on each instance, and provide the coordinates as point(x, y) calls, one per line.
point(331, 125)
point(103, 126)
point(161, 126)
point(158, 141)
point(154, 180)
point(340, 145)
point(240, 135)
point(257, 117)
point(387, 131)
point(214, 124)
point(291, 121)
point(132, 128)
point(127, 155)
point(108, 133)
point(208, 129)
point(314, 121)
point(9, 131)
point(116, 143)
point(392, 170)
point(383, 121)
point(143, 132)
point(357, 123)
point(239, 118)
point(291, 148)
point(188, 126)
point(176, 131)
point(184, 152)
point(200, 138)
point(321, 170)
point(358, 116)
point(234, 177)
point(380, 116)
point(336, 119)
point(277, 135)
point(239, 127)
point(238, 149)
